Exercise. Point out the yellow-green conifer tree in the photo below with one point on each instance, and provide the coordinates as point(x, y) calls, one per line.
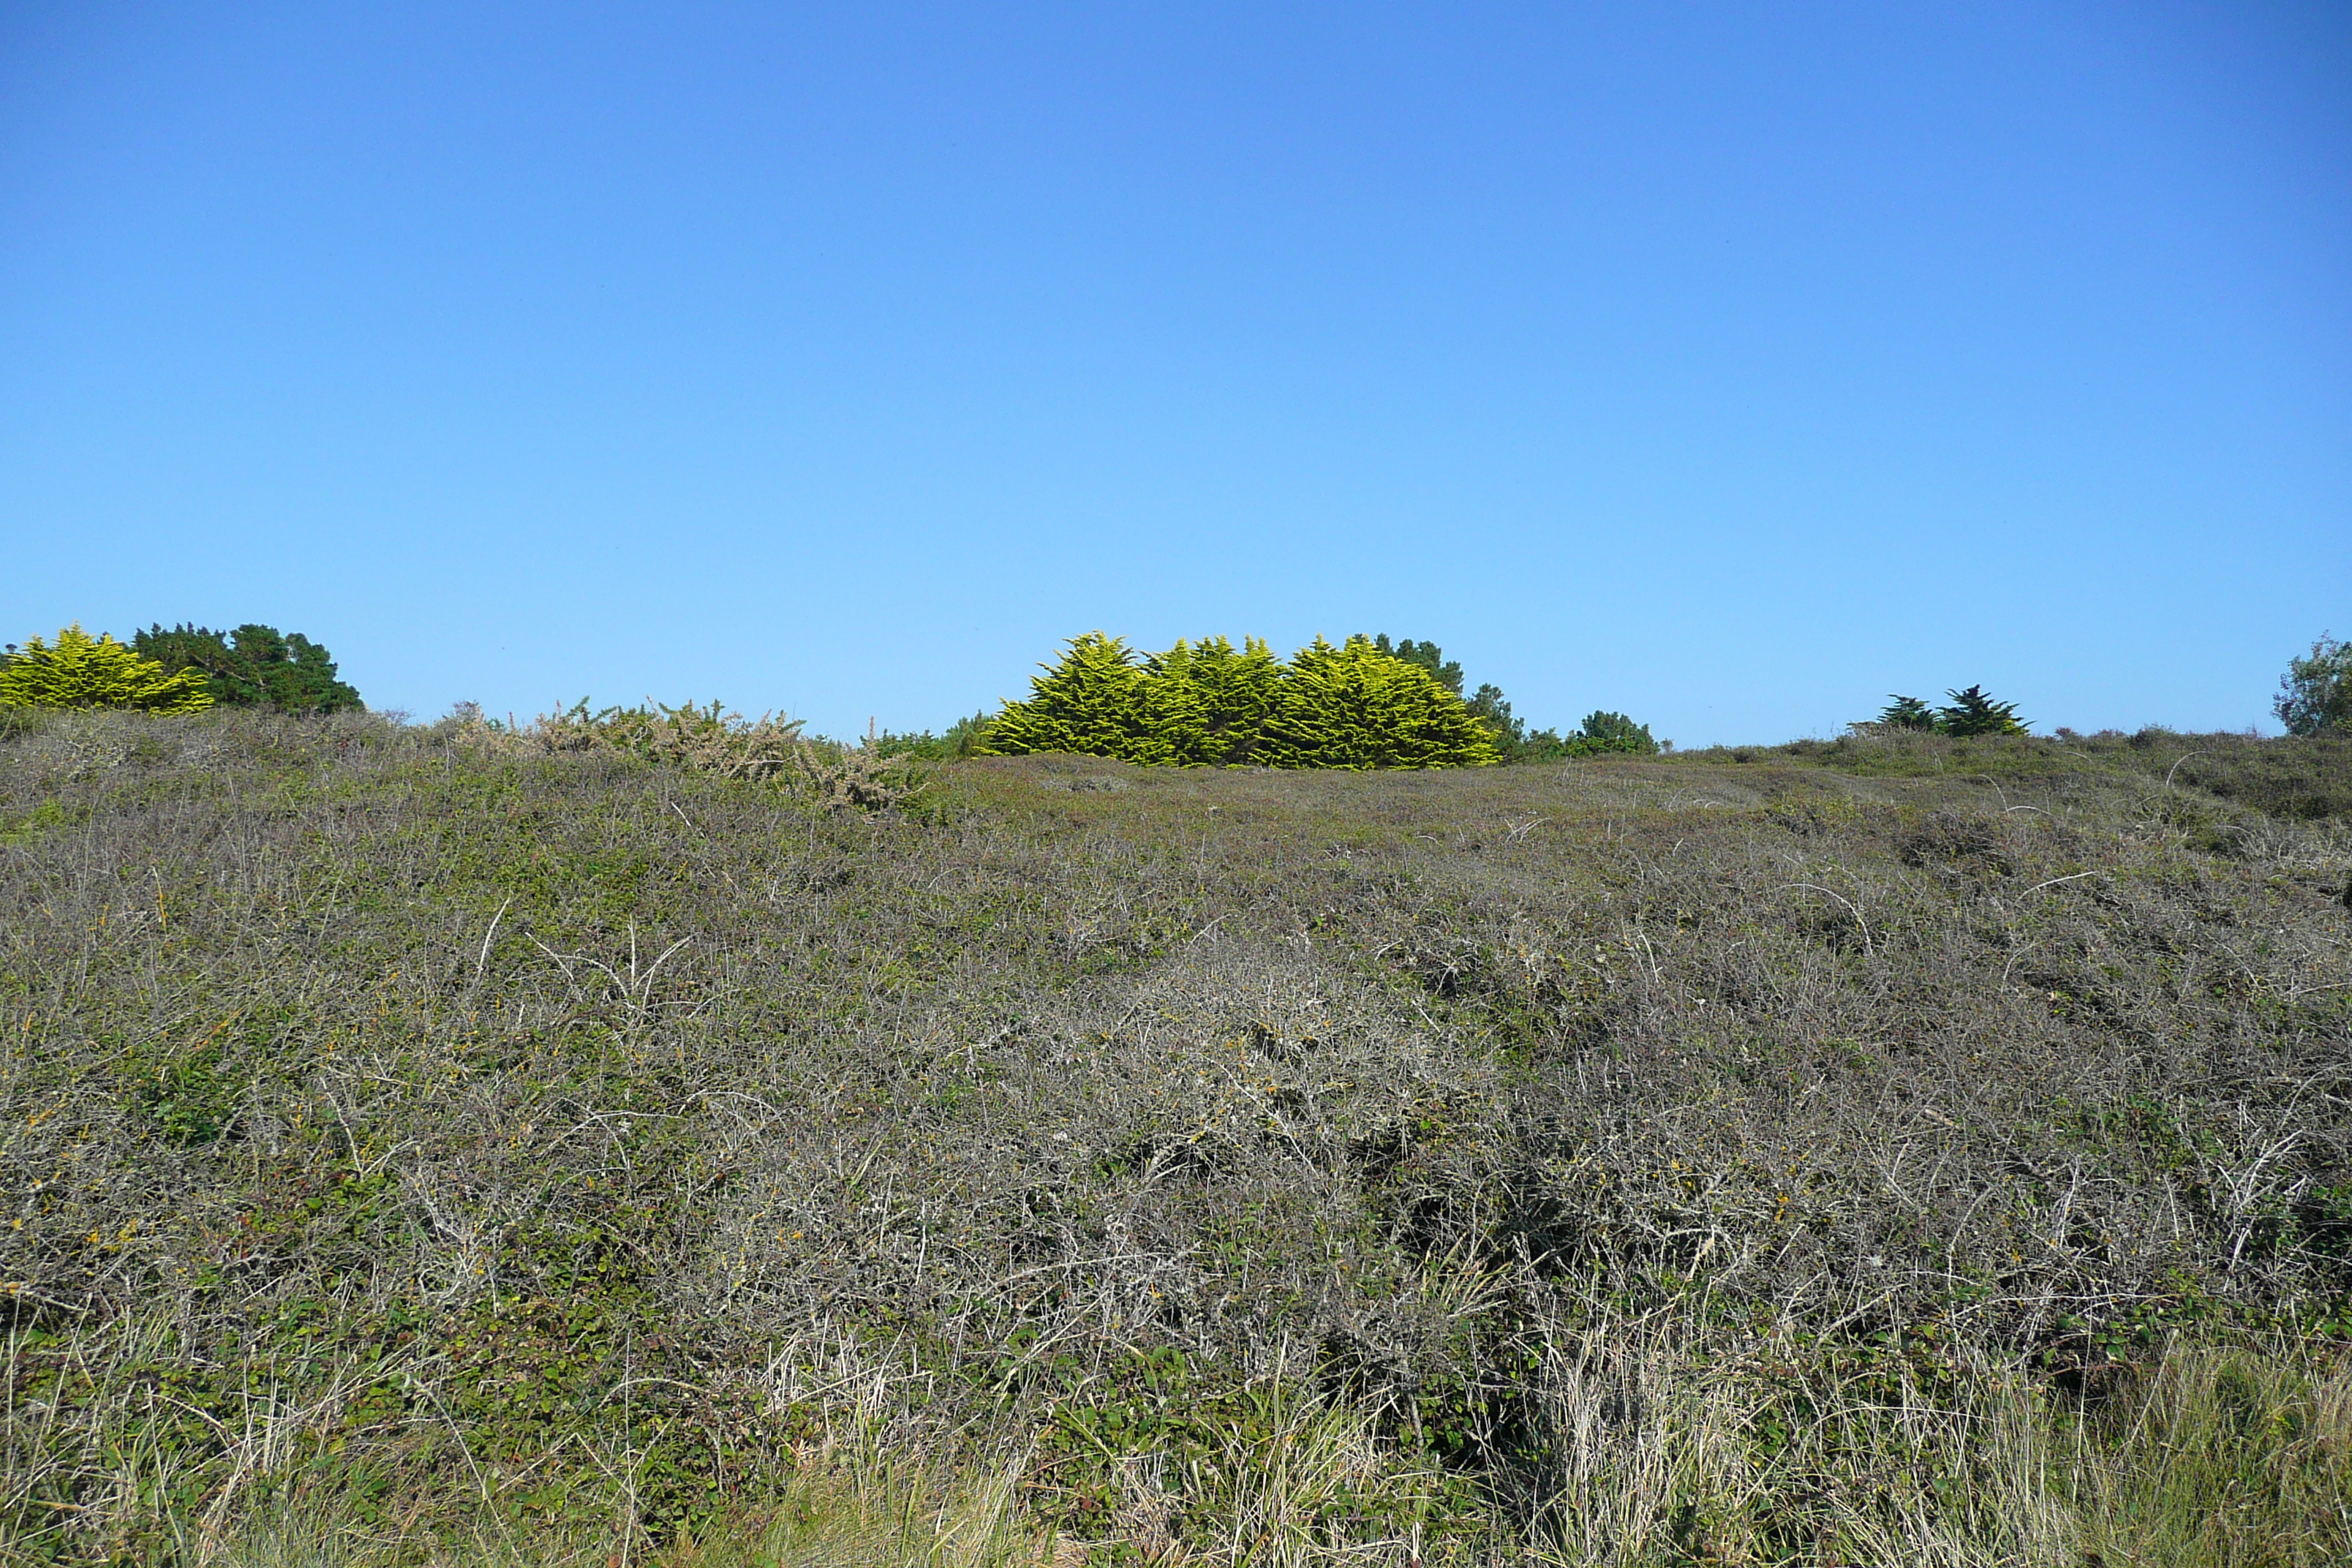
point(83, 671)
point(1354, 707)
point(1093, 702)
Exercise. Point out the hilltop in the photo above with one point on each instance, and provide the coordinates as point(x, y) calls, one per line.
point(1899, 1150)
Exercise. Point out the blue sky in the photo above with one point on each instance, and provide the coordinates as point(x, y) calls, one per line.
point(1730, 366)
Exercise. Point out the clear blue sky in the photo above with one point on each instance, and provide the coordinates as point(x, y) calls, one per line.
point(1731, 366)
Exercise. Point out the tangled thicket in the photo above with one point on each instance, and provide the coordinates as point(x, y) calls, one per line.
point(1355, 706)
point(1785, 1157)
point(710, 739)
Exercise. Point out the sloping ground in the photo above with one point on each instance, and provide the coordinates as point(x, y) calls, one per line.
point(1841, 1150)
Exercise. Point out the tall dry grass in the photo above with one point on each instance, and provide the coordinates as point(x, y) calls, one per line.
point(424, 1148)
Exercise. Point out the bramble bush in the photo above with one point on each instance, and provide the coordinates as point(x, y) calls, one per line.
point(710, 739)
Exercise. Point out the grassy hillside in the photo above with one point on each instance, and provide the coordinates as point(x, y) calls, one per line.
point(1920, 1151)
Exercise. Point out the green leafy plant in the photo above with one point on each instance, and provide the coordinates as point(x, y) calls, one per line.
point(1972, 712)
point(1514, 739)
point(1214, 696)
point(2315, 694)
point(254, 667)
point(83, 671)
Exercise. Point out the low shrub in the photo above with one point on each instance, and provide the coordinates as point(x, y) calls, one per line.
point(709, 739)
point(475, 1143)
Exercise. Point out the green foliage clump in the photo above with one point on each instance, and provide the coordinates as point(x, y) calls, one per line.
point(1092, 703)
point(1513, 741)
point(1972, 712)
point(83, 671)
point(2315, 694)
point(1969, 712)
point(1907, 714)
point(1431, 658)
point(960, 739)
point(1354, 707)
point(254, 667)
point(1604, 732)
point(1211, 703)
point(1215, 698)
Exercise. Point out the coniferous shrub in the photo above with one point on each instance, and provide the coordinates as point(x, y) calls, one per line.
point(1431, 658)
point(1092, 701)
point(83, 671)
point(1907, 714)
point(1220, 695)
point(1354, 707)
point(1972, 712)
point(1969, 712)
point(1212, 703)
point(1489, 703)
point(254, 667)
point(1515, 741)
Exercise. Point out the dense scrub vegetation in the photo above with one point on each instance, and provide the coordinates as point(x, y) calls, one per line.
point(1353, 706)
point(1907, 1149)
point(1368, 703)
point(254, 667)
point(78, 670)
point(1969, 712)
point(183, 670)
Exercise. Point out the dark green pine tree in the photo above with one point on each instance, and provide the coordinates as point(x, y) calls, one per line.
point(254, 667)
point(1972, 712)
point(1490, 704)
point(1427, 655)
point(1908, 714)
